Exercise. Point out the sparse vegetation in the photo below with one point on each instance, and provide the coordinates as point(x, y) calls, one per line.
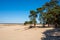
point(49, 13)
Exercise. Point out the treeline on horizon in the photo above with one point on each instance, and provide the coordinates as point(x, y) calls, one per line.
point(49, 13)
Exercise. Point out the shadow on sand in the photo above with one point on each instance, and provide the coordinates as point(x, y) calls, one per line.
point(30, 27)
point(53, 34)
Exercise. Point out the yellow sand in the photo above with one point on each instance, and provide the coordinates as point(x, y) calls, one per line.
point(18, 32)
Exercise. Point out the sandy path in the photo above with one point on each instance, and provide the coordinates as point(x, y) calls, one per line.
point(18, 33)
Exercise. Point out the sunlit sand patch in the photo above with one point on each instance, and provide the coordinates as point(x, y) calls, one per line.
point(1, 27)
point(20, 32)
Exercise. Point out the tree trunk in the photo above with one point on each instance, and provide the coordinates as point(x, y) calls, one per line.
point(34, 25)
point(48, 24)
point(56, 25)
point(43, 25)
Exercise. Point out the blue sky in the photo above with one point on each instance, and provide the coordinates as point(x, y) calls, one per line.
point(17, 11)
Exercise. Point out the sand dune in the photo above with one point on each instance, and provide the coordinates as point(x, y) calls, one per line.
point(18, 32)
